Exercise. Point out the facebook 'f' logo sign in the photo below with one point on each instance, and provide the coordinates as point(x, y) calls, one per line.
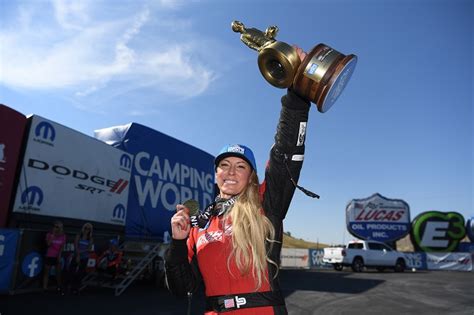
point(31, 195)
point(125, 161)
point(32, 264)
point(119, 212)
point(45, 130)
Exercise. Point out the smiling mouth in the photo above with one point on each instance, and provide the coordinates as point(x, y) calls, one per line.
point(230, 182)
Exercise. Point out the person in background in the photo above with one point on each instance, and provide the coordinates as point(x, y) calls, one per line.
point(110, 260)
point(55, 240)
point(83, 244)
point(234, 245)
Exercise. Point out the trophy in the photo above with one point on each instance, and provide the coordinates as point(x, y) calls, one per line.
point(320, 77)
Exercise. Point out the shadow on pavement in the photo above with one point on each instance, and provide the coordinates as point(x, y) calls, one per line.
point(336, 282)
point(144, 298)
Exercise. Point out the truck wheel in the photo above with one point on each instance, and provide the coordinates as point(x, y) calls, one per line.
point(357, 264)
point(400, 265)
point(338, 267)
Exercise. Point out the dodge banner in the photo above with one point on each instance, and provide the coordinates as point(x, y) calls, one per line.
point(68, 174)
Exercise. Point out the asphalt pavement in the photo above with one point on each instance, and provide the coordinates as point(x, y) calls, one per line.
point(306, 292)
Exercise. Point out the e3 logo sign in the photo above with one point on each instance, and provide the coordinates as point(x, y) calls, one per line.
point(32, 264)
point(435, 231)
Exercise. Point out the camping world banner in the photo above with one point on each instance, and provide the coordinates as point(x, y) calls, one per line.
point(378, 218)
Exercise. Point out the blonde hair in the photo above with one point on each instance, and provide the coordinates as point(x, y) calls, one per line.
point(83, 230)
point(250, 230)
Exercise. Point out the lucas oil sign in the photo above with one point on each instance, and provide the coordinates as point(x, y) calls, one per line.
point(378, 218)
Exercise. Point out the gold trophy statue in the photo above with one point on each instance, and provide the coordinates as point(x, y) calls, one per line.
point(320, 77)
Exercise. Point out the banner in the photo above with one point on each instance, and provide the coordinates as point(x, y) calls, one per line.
point(31, 252)
point(436, 231)
point(8, 244)
point(378, 218)
point(165, 172)
point(70, 175)
point(415, 260)
point(294, 258)
point(449, 261)
point(12, 127)
point(316, 259)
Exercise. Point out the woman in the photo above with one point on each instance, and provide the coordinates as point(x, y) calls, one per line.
point(83, 244)
point(235, 243)
point(55, 241)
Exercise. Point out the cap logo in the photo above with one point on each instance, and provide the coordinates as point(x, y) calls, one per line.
point(236, 149)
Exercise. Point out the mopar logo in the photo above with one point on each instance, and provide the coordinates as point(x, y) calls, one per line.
point(115, 186)
point(125, 161)
point(32, 264)
point(119, 213)
point(435, 231)
point(32, 195)
point(45, 130)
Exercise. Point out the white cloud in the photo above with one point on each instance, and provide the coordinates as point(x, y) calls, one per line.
point(74, 48)
point(71, 14)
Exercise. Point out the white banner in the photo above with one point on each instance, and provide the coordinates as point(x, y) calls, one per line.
point(294, 257)
point(449, 261)
point(68, 174)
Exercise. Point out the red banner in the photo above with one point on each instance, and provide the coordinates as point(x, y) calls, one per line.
point(12, 128)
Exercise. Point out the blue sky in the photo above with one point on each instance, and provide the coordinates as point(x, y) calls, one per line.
point(402, 127)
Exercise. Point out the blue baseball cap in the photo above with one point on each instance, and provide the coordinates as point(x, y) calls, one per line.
point(113, 241)
point(237, 150)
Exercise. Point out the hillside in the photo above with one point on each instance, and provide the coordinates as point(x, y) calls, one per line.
point(291, 242)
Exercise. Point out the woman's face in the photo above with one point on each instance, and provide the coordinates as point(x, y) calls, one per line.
point(232, 176)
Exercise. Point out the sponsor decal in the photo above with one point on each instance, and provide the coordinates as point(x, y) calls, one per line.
point(229, 303)
point(30, 197)
point(378, 218)
point(114, 186)
point(240, 301)
point(119, 213)
point(435, 231)
point(317, 259)
point(415, 260)
point(163, 183)
point(45, 133)
point(236, 149)
point(301, 134)
point(125, 162)
point(32, 264)
point(449, 261)
point(312, 68)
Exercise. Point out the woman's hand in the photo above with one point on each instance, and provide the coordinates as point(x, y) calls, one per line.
point(301, 53)
point(180, 223)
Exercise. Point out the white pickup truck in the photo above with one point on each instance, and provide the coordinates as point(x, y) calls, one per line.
point(359, 254)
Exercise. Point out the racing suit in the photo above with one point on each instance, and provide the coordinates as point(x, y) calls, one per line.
point(206, 251)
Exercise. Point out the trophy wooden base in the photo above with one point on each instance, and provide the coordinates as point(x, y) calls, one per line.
point(322, 76)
